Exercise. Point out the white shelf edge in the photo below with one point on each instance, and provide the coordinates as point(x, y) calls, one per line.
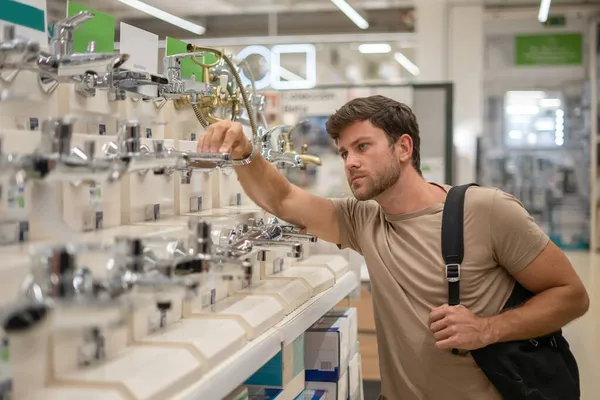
point(231, 373)
point(307, 314)
point(227, 376)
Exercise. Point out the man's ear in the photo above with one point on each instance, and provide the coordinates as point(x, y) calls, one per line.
point(404, 148)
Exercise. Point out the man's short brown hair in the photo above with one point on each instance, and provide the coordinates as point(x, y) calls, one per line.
point(391, 116)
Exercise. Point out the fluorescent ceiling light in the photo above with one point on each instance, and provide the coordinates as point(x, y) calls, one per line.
point(165, 16)
point(544, 10)
point(522, 109)
point(351, 13)
point(515, 134)
point(407, 64)
point(548, 103)
point(374, 48)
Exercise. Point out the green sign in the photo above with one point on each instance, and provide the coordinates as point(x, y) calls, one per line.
point(188, 66)
point(556, 20)
point(100, 29)
point(22, 14)
point(549, 49)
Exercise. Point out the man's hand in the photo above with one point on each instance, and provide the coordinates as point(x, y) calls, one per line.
point(456, 327)
point(225, 137)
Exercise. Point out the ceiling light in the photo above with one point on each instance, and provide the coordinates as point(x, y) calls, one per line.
point(407, 64)
point(351, 13)
point(544, 10)
point(165, 16)
point(374, 48)
point(549, 103)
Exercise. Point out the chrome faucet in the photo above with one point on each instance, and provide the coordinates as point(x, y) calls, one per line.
point(177, 86)
point(285, 145)
point(162, 160)
point(278, 155)
point(268, 238)
point(286, 232)
point(62, 64)
point(15, 53)
point(55, 161)
point(61, 43)
point(133, 268)
point(133, 82)
point(204, 257)
point(56, 284)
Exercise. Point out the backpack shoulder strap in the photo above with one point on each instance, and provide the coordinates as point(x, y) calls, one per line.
point(452, 239)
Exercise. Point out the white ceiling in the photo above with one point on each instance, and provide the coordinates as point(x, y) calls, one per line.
point(224, 7)
point(239, 18)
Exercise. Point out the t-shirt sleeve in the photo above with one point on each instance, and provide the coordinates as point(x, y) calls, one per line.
point(348, 216)
point(516, 239)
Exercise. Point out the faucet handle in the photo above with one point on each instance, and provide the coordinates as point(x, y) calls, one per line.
point(72, 22)
point(56, 135)
point(288, 135)
point(174, 60)
point(89, 146)
point(9, 33)
point(159, 146)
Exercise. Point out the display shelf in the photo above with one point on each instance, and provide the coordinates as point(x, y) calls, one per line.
point(222, 380)
point(307, 314)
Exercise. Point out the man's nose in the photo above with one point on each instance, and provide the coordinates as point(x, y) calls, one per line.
point(352, 162)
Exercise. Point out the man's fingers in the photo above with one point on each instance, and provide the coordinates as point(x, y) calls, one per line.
point(438, 314)
point(443, 334)
point(439, 325)
point(199, 146)
point(231, 140)
point(450, 343)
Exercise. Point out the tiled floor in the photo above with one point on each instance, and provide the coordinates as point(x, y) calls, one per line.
point(583, 334)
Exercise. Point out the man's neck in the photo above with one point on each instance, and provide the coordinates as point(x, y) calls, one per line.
point(411, 193)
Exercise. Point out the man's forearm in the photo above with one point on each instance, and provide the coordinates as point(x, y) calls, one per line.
point(263, 184)
point(544, 313)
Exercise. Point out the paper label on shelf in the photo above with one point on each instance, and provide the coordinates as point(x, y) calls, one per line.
point(93, 348)
point(5, 370)
point(96, 197)
point(142, 47)
point(15, 226)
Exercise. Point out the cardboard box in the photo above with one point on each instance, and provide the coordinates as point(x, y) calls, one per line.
point(335, 390)
point(310, 394)
point(351, 314)
point(354, 378)
point(289, 392)
point(240, 393)
point(284, 367)
point(327, 349)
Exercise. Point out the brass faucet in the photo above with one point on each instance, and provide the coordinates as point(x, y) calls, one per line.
point(287, 145)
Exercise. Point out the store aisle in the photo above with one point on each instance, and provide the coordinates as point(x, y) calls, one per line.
point(583, 333)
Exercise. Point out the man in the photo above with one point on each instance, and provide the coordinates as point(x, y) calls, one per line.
point(395, 223)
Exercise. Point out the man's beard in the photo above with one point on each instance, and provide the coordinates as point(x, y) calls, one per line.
point(375, 184)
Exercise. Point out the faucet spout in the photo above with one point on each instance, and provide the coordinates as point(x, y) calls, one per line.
point(295, 250)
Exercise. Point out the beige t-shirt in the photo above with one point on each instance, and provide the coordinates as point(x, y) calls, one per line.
point(407, 272)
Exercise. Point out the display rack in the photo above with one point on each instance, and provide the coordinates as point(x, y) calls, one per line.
point(223, 379)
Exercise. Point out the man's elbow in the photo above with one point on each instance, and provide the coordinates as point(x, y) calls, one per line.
point(580, 301)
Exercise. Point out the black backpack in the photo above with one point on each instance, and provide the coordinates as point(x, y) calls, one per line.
point(540, 368)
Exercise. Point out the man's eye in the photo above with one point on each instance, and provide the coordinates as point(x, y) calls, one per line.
point(362, 146)
point(344, 154)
